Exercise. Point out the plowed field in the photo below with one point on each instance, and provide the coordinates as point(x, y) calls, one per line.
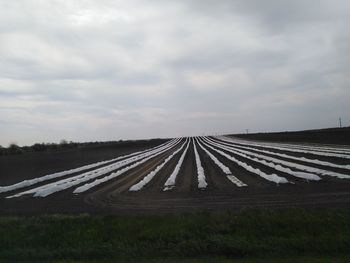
point(188, 174)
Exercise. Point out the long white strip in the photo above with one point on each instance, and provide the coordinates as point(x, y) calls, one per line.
point(275, 163)
point(88, 186)
point(202, 184)
point(316, 149)
point(310, 171)
point(223, 167)
point(303, 159)
point(270, 177)
point(170, 183)
point(343, 156)
point(63, 184)
point(333, 149)
point(27, 183)
point(149, 177)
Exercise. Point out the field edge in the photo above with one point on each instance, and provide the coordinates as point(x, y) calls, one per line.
point(247, 236)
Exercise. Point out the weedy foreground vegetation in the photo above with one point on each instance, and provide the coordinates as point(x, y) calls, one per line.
point(288, 235)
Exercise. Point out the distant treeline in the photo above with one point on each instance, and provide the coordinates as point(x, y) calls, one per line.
point(63, 145)
point(37, 147)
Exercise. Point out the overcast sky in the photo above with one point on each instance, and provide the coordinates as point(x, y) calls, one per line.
point(106, 70)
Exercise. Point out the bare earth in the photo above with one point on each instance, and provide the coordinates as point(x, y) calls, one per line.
point(113, 197)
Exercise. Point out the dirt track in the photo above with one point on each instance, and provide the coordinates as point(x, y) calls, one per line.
point(113, 197)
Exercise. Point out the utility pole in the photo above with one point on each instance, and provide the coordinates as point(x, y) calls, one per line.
point(340, 125)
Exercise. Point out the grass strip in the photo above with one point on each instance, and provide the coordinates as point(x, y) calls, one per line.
point(248, 236)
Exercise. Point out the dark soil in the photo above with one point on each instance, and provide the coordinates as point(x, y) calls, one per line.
point(15, 168)
point(339, 136)
point(113, 197)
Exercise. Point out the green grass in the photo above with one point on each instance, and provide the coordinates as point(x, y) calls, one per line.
point(292, 235)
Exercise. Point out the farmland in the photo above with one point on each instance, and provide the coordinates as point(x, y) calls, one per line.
point(184, 175)
point(194, 199)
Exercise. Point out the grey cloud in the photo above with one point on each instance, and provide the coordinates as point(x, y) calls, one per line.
point(276, 15)
point(170, 68)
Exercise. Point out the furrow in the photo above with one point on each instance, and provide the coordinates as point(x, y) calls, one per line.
point(28, 183)
point(328, 154)
point(202, 184)
point(270, 177)
point(170, 183)
point(149, 177)
point(310, 171)
point(223, 167)
point(302, 159)
point(45, 190)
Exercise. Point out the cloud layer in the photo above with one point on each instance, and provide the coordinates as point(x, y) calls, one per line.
point(104, 70)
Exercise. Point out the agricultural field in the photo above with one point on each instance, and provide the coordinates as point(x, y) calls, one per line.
point(183, 175)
